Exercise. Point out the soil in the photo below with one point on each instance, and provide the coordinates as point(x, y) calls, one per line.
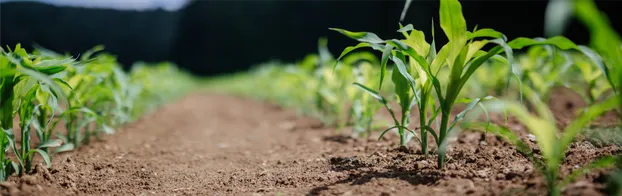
point(211, 144)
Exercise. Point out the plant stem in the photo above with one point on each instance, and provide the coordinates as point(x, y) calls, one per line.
point(441, 138)
point(402, 133)
point(424, 132)
point(553, 188)
point(25, 146)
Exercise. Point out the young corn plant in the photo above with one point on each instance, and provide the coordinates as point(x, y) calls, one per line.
point(90, 95)
point(417, 65)
point(551, 142)
point(604, 40)
point(92, 109)
point(593, 86)
point(159, 83)
point(545, 67)
point(334, 90)
point(364, 106)
point(487, 80)
point(25, 77)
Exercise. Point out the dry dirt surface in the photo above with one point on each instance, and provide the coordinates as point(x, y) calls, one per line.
point(208, 144)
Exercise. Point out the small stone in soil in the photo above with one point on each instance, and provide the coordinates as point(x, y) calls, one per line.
point(531, 137)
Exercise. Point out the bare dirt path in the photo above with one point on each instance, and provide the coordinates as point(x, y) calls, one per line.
point(207, 144)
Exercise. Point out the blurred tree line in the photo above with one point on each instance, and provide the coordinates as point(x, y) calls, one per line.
point(212, 37)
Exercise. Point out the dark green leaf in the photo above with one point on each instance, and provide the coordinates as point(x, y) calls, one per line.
point(559, 41)
point(348, 50)
point(401, 67)
point(383, 63)
point(385, 131)
point(432, 132)
point(370, 91)
point(486, 33)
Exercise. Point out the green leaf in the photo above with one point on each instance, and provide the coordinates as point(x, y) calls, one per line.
point(432, 132)
point(432, 53)
point(603, 38)
point(87, 55)
point(591, 113)
point(348, 50)
point(52, 66)
point(38, 76)
point(544, 130)
point(469, 107)
point(51, 143)
point(454, 26)
point(360, 36)
point(10, 135)
point(370, 91)
point(406, 28)
point(386, 130)
point(491, 33)
point(383, 63)
point(45, 156)
point(504, 132)
point(416, 40)
point(559, 41)
point(64, 83)
point(434, 115)
point(440, 60)
point(401, 67)
point(598, 61)
point(64, 148)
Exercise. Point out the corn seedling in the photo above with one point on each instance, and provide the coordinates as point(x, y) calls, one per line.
point(364, 107)
point(24, 77)
point(487, 80)
point(417, 79)
point(45, 89)
point(592, 85)
point(334, 91)
point(544, 67)
point(551, 142)
point(605, 42)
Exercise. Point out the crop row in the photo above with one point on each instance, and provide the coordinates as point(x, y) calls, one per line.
point(476, 68)
point(51, 103)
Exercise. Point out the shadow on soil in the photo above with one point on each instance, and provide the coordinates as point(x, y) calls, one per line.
point(359, 176)
point(342, 139)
